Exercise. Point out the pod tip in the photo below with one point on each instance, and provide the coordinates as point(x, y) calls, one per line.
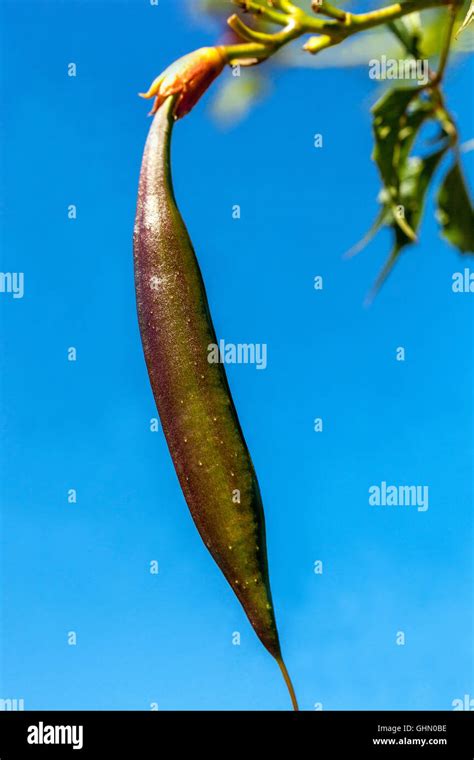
point(288, 682)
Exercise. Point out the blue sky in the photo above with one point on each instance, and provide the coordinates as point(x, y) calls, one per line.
point(84, 567)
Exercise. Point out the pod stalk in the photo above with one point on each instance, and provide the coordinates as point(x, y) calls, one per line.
point(288, 682)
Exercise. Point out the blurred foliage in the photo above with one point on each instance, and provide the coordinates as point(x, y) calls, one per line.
point(455, 211)
point(467, 19)
point(400, 116)
point(236, 96)
point(397, 120)
point(234, 99)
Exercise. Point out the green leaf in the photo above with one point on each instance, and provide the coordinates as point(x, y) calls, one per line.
point(415, 183)
point(434, 24)
point(415, 180)
point(398, 116)
point(388, 114)
point(455, 211)
point(410, 125)
point(383, 217)
point(468, 19)
point(409, 31)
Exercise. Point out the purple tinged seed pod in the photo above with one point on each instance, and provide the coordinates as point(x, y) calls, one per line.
point(193, 398)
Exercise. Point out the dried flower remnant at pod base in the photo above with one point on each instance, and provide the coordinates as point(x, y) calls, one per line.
point(188, 79)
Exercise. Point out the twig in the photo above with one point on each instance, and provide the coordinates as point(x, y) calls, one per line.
point(258, 46)
point(443, 59)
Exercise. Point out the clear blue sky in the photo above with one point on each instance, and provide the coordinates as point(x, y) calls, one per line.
point(85, 567)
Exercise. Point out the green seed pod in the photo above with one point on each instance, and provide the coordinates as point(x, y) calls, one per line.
point(192, 395)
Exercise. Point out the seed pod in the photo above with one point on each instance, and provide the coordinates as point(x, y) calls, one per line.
point(192, 395)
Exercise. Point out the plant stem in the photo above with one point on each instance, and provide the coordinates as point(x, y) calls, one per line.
point(250, 6)
point(259, 46)
point(440, 112)
point(262, 46)
point(285, 5)
point(320, 6)
point(443, 59)
point(288, 682)
point(358, 22)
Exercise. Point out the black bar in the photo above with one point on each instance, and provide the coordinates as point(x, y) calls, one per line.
point(325, 734)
